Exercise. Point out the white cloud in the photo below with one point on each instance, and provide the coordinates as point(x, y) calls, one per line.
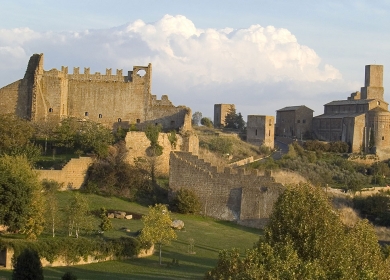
point(189, 64)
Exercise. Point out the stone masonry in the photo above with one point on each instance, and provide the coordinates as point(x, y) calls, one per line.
point(260, 130)
point(111, 99)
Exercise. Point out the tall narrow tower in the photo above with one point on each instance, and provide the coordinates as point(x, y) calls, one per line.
point(373, 84)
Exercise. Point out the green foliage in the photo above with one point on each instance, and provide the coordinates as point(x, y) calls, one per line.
point(374, 207)
point(222, 145)
point(51, 187)
point(206, 122)
point(20, 196)
point(196, 118)
point(105, 222)
point(306, 239)
point(186, 202)
point(78, 215)
point(157, 227)
point(27, 266)
point(69, 276)
point(15, 135)
point(333, 147)
point(120, 134)
point(172, 139)
point(113, 176)
point(233, 120)
point(152, 132)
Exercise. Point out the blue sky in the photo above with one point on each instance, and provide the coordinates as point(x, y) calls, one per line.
point(260, 55)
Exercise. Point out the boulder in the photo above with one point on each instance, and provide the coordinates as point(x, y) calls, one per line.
point(177, 224)
point(111, 215)
point(129, 217)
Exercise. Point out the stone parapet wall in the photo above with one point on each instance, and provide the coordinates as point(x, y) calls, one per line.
point(72, 175)
point(228, 194)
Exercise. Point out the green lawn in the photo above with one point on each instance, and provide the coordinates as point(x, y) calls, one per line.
point(210, 236)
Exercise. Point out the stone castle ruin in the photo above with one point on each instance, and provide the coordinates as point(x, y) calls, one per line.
point(110, 99)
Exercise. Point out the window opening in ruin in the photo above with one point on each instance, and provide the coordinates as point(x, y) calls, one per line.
point(138, 120)
point(119, 120)
point(269, 132)
point(383, 137)
point(172, 123)
point(86, 114)
point(256, 132)
point(379, 103)
point(63, 109)
point(141, 72)
point(50, 110)
point(100, 116)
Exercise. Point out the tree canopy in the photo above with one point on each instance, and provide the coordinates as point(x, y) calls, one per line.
point(21, 201)
point(27, 266)
point(157, 227)
point(306, 239)
point(234, 120)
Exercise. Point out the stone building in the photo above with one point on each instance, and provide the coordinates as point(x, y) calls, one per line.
point(111, 99)
point(294, 121)
point(260, 130)
point(363, 120)
point(220, 112)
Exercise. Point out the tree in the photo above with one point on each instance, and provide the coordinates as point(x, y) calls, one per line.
point(51, 188)
point(234, 120)
point(27, 266)
point(77, 214)
point(105, 222)
point(21, 201)
point(15, 135)
point(69, 276)
point(196, 118)
point(305, 239)
point(157, 227)
point(206, 122)
point(186, 202)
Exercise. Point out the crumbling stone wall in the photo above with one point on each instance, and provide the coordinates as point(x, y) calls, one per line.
point(72, 175)
point(138, 145)
point(227, 194)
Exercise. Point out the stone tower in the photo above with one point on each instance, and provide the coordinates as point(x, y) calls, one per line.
point(261, 130)
point(373, 83)
point(220, 112)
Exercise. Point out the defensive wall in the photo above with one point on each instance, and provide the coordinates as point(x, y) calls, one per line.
point(229, 194)
point(113, 100)
point(71, 176)
point(138, 145)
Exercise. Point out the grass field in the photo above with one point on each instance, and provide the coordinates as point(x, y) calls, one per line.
point(210, 236)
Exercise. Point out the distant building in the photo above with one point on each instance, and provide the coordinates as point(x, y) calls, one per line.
point(294, 121)
point(261, 130)
point(220, 112)
point(363, 120)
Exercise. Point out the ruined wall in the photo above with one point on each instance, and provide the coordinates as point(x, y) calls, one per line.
point(138, 145)
point(72, 175)
point(228, 194)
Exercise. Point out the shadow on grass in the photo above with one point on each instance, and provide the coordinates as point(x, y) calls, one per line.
point(243, 228)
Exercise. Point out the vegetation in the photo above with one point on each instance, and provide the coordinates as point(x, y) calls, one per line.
point(105, 224)
point(157, 227)
point(196, 118)
point(306, 239)
point(206, 122)
point(186, 202)
point(21, 201)
point(27, 266)
point(69, 276)
point(234, 120)
point(375, 208)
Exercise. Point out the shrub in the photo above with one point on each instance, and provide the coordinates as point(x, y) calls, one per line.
point(69, 276)
point(221, 145)
point(186, 202)
point(27, 266)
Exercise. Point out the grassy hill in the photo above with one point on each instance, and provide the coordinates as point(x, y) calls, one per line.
point(210, 236)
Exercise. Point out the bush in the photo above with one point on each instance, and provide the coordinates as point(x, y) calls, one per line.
point(69, 276)
point(186, 202)
point(27, 266)
point(221, 145)
point(206, 122)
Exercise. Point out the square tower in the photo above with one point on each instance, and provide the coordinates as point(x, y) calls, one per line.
point(220, 112)
point(261, 130)
point(373, 82)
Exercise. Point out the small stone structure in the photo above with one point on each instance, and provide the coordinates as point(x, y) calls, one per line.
point(71, 176)
point(220, 112)
point(260, 130)
point(294, 121)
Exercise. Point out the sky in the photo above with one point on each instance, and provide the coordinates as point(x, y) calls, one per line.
point(261, 55)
